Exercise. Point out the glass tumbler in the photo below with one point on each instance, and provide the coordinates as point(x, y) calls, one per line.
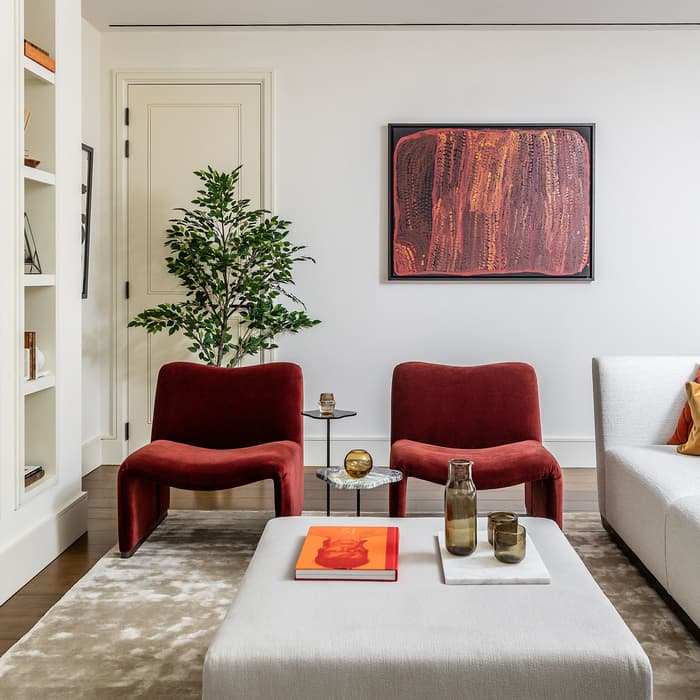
point(509, 542)
point(499, 516)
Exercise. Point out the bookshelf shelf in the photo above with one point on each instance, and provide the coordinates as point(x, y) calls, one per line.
point(36, 175)
point(32, 386)
point(39, 280)
point(35, 71)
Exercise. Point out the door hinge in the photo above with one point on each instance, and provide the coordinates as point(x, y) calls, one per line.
point(126, 116)
point(126, 431)
point(126, 289)
point(126, 148)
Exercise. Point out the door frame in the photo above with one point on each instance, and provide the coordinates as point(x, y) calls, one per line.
point(114, 444)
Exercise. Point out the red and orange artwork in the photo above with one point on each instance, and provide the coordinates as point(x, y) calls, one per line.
point(491, 201)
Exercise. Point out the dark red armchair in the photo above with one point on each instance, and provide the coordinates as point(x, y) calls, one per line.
point(215, 428)
point(489, 414)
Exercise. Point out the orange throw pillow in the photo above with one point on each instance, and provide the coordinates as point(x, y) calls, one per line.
point(692, 446)
point(685, 423)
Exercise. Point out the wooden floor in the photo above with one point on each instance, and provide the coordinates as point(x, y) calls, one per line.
point(19, 614)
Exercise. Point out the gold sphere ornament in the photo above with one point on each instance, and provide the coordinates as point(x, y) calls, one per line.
point(358, 463)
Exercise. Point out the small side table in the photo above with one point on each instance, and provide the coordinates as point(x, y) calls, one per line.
point(316, 414)
point(338, 477)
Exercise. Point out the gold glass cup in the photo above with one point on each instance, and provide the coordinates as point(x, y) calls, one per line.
point(499, 516)
point(509, 542)
point(326, 404)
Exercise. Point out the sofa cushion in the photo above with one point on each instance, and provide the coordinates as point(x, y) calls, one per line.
point(684, 424)
point(641, 483)
point(692, 446)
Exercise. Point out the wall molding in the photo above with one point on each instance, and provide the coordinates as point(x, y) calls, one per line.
point(91, 454)
point(569, 451)
point(24, 557)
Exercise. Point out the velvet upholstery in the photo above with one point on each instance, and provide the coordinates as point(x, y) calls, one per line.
point(215, 428)
point(489, 414)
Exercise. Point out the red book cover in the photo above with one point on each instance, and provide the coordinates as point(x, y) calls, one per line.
point(349, 553)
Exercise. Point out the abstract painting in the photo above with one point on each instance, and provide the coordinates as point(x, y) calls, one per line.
point(491, 201)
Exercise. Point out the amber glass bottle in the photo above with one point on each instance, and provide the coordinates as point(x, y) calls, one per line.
point(460, 508)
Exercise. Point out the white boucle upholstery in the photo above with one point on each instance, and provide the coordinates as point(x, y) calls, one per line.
point(648, 493)
point(683, 553)
point(637, 401)
point(641, 483)
point(418, 638)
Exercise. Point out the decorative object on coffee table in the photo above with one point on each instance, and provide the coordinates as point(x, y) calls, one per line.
point(358, 463)
point(499, 516)
point(340, 479)
point(335, 415)
point(460, 508)
point(509, 542)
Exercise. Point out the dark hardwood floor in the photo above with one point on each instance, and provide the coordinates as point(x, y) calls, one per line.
point(21, 612)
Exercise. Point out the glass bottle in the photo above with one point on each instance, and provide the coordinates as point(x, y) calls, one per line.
point(460, 508)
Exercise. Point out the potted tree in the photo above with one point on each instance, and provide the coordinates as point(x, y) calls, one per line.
point(234, 262)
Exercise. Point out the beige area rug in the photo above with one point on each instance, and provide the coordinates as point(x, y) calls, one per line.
point(139, 627)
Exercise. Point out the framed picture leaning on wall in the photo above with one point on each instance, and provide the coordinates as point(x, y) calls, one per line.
point(491, 201)
point(86, 193)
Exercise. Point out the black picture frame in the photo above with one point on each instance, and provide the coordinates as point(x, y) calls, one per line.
point(421, 249)
point(88, 153)
point(32, 265)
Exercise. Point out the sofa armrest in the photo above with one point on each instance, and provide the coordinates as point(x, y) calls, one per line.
point(636, 401)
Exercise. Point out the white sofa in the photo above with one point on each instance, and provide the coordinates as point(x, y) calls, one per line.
point(649, 495)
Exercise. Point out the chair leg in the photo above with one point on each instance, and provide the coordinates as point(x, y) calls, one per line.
point(142, 505)
point(397, 498)
point(289, 493)
point(544, 499)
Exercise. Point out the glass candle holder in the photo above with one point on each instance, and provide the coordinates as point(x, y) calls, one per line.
point(509, 542)
point(499, 516)
point(326, 404)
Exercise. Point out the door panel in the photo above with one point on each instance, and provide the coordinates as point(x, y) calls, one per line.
point(173, 131)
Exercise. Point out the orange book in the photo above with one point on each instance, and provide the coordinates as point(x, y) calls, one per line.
point(39, 56)
point(349, 553)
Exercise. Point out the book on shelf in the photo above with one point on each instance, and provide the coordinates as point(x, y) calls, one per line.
point(33, 473)
point(30, 345)
point(40, 56)
point(349, 553)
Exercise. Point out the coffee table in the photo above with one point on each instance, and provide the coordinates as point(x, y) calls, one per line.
point(419, 638)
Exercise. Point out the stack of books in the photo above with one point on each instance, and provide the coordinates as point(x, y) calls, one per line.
point(32, 473)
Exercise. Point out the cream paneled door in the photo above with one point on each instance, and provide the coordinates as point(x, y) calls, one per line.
point(173, 131)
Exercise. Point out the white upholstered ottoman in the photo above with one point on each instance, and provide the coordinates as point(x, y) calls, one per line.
point(418, 638)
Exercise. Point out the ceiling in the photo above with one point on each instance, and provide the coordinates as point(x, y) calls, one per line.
point(193, 14)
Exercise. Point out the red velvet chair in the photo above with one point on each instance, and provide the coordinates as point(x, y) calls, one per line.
point(215, 428)
point(489, 414)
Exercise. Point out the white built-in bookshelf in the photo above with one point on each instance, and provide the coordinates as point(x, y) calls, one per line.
point(40, 419)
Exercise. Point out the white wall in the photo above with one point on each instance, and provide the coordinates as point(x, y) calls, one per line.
point(97, 307)
point(335, 92)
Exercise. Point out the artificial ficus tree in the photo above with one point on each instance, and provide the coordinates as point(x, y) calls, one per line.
point(234, 262)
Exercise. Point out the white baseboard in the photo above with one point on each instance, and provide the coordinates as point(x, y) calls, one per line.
point(91, 454)
point(112, 451)
point(570, 452)
point(25, 557)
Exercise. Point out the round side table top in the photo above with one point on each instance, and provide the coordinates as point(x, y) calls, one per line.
point(379, 476)
point(337, 413)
